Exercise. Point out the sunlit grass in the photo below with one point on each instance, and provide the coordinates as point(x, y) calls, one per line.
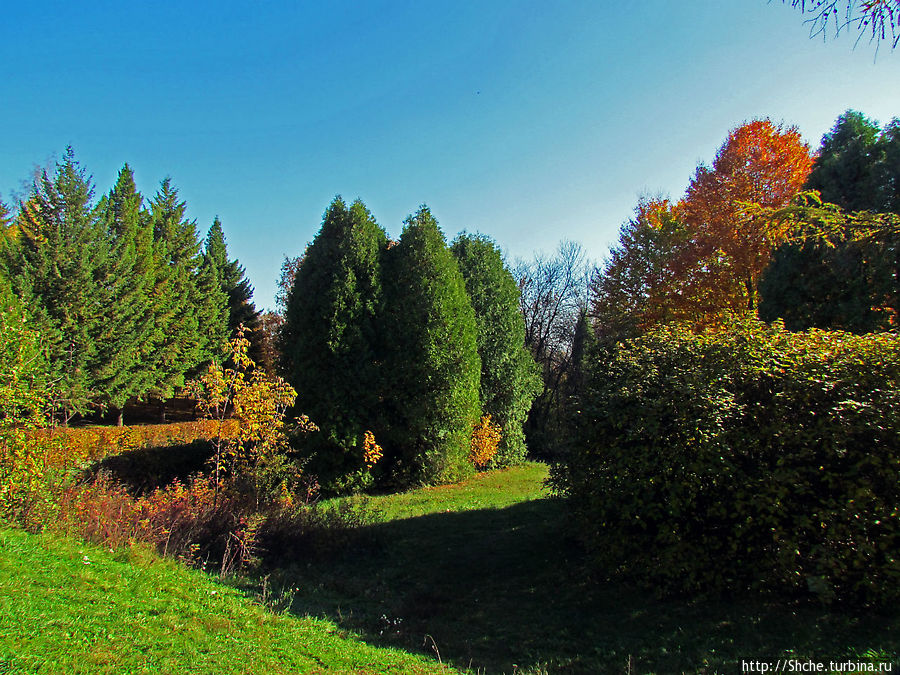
point(71, 608)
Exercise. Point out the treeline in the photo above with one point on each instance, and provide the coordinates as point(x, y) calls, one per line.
point(413, 342)
point(710, 450)
point(126, 300)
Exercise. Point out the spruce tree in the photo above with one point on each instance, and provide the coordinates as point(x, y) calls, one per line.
point(509, 377)
point(329, 340)
point(180, 303)
point(132, 330)
point(235, 285)
point(58, 267)
point(433, 368)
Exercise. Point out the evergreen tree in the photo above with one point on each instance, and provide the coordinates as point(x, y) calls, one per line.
point(845, 171)
point(180, 304)
point(433, 368)
point(813, 284)
point(58, 267)
point(329, 340)
point(234, 283)
point(132, 330)
point(509, 376)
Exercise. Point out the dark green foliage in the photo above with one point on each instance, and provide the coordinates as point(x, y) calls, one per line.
point(215, 323)
point(329, 338)
point(744, 457)
point(509, 377)
point(432, 381)
point(846, 171)
point(59, 264)
point(180, 306)
point(842, 287)
point(851, 285)
point(130, 333)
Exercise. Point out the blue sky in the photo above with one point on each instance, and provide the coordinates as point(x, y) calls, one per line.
point(530, 122)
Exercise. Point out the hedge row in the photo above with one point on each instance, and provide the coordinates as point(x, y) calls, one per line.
point(743, 458)
point(76, 446)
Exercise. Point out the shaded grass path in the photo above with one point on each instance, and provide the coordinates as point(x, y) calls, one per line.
point(483, 574)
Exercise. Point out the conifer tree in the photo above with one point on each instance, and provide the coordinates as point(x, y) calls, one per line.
point(509, 377)
point(433, 373)
point(132, 330)
point(329, 340)
point(180, 304)
point(235, 285)
point(57, 264)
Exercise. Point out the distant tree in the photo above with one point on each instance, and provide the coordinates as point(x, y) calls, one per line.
point(289, 268)
point(329, 341)
point(6, 220)
point(509, 379)
point(879, 18)
point(554, 292)
point(433, 370)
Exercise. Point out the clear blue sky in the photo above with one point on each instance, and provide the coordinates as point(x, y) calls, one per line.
point(530, 122)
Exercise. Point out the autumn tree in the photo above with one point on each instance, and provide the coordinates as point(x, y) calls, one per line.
point(509, 380)
point(759, 163)
point(640, 284)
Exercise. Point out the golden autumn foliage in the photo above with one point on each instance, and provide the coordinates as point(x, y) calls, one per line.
point(372, 452)
point(257, 402)
point(486, 438)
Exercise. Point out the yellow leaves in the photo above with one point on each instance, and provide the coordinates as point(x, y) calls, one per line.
point(372, 452)
point(257, 401)
point(486, 438)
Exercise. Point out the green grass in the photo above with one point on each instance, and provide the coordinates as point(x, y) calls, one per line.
point(483, 573)
point(71, 608)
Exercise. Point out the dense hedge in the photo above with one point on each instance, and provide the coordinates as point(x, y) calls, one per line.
point(746, 457)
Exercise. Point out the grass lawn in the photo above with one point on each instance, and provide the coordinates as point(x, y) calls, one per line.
point(483, 574)
point(70, 608)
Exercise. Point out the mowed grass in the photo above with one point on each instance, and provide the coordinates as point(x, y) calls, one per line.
point(70, 608)
point(483, 574)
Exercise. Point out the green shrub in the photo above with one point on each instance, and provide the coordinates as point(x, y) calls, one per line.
point(744, 457)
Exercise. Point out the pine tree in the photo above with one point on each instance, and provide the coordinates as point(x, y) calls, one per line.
point(329, 340)
point(433, 368)
point(213, 311)
point(509, 377)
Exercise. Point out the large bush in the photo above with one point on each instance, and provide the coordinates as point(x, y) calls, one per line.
point(744, 457)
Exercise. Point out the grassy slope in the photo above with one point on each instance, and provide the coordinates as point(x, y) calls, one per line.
point(483, 572)
point(70, 608)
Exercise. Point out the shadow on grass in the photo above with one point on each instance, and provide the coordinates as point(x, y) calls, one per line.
point(145, 469)
point(502, 590)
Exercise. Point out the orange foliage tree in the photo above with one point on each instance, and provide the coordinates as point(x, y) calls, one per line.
point(760, 163)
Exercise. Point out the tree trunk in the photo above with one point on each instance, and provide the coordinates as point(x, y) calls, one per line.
point(120, 418)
